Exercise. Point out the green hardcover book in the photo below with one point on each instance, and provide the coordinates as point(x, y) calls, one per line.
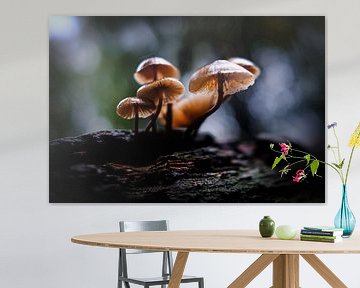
point(321, 239)
point(319, 236)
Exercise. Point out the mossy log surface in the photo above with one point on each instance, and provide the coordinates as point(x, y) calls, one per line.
point(117, 167)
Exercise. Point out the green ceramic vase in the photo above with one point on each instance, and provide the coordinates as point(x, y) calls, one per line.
point(267, 227)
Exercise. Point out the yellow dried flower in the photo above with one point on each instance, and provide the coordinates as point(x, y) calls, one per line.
point(355, 137)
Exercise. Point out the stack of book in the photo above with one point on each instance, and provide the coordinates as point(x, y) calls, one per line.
point(321, 234)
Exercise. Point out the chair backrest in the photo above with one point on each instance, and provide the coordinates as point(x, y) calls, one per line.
point(134, 226)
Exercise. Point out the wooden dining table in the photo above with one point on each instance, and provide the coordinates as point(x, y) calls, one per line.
point(283, 254)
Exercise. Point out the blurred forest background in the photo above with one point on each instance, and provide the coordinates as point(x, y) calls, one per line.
point(92, 61)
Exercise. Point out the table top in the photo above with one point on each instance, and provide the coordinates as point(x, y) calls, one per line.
point(216, 241)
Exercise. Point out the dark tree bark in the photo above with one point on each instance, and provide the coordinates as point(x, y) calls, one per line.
point(118, 167)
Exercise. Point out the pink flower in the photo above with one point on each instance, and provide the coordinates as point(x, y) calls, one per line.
point(299, 176)
point(284, 148)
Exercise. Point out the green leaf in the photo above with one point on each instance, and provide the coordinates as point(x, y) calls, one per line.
point(277, 161)
point(307, 157)
point(314, 166)
point(339, 166)
point(271, 146)
point(342, 163)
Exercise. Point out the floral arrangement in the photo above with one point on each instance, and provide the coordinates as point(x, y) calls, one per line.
point(293, 157)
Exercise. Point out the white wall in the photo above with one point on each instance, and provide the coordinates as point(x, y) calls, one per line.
point(35, 248)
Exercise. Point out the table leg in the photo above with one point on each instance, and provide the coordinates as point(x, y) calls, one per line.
point(178, 269)
point(253, 270)
point(286, 271)
point(324, 271)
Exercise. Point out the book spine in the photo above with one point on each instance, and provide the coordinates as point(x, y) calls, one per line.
point(318, 239)
point(319, 236)
point(320, 233)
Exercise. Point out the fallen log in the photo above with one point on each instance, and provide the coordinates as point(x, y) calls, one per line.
point(118, 167)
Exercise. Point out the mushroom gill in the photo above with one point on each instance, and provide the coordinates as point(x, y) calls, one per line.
point(153, 69)
point(132, 107)
point(160, 92)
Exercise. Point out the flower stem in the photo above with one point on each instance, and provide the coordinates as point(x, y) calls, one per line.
point(333, 152)
point(337, 144)
point(348, 167)
point(325, 163)
point(340, 159)
point(332, 166)
point(296, 162)
point(313, 158)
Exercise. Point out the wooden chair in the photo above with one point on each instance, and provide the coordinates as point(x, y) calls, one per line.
point(167, 262)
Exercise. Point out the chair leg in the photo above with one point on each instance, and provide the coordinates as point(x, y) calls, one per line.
point(120, 270)
point(201, 283)
point(165, 266)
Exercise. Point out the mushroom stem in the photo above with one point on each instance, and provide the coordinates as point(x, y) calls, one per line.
point(169, 117)
point(136, 118)
point(154, 126)
point(152, 123)
point(194, 127)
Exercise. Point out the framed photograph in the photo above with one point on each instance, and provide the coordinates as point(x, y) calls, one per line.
point(185, 109)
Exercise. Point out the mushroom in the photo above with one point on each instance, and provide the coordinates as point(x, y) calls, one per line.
point(160, 92)
point(132, 107)
point(220, 78)
point(188, 110)
point(153, 69)
point(247, 64)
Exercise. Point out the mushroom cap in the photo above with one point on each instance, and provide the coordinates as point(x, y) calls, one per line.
point(126, 108)
point(155, 68)
point(236, 78)
point(171, 89)
point(247, 64)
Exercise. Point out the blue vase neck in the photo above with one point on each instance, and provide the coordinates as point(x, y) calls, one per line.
point(344, 195)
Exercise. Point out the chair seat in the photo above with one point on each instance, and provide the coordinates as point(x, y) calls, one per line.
point(158, 280)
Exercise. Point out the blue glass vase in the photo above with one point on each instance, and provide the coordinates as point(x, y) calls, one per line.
point(345, 219)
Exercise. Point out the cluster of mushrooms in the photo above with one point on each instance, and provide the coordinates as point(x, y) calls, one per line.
point(161, 91)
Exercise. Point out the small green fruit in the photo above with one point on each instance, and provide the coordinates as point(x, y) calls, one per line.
point(285, 232)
